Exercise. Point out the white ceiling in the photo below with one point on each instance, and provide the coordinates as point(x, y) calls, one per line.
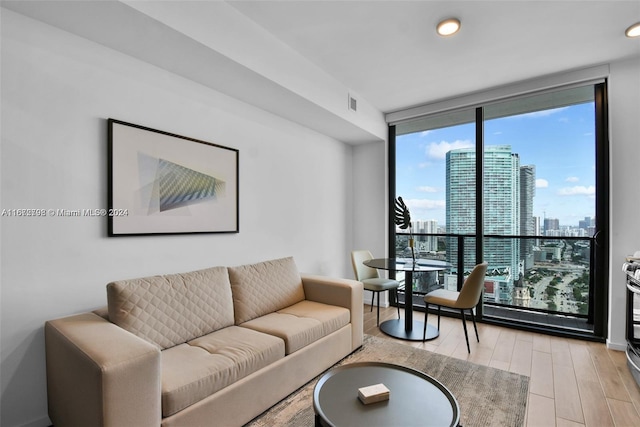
point(300, 59)
point(389, 53)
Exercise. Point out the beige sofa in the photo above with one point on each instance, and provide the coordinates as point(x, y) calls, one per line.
point(214, 347)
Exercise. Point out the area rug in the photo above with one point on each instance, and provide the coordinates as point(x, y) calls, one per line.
point(487, 397)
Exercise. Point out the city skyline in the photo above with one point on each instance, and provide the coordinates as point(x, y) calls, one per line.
point(559, 143)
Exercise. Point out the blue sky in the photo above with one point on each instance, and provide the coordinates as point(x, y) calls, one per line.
point(559, 142)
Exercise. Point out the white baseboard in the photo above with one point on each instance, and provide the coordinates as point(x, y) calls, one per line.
point(616, 346)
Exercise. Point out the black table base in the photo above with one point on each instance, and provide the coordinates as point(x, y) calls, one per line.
point(407, 329)
point(397, 329)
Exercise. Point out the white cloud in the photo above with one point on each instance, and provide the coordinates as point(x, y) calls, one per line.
point(572, 179)
point(425, 133)
point(439, 150)
point(427, 189)
point(578, 190)
point(542, 183)
point(425, 204)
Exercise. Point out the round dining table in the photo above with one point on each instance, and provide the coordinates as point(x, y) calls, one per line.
point(408, 329)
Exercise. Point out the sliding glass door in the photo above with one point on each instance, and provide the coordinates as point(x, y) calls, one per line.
point(520, 184)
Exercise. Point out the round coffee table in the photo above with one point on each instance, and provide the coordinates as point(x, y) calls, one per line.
point(415, 399)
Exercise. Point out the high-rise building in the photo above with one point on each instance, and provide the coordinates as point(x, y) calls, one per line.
point(527, 221)
point(589, 225)
point(461, 203)
point(551, 226)
point(586, 222)
point(501, 210)
point(426, 243)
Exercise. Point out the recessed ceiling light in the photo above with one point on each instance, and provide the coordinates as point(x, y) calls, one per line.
point(633, 31)
point(448, 27)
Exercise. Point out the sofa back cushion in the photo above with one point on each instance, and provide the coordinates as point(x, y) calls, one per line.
point(172, 309)
point(265, 287)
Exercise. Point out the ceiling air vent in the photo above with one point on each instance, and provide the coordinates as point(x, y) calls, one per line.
point(353, 103)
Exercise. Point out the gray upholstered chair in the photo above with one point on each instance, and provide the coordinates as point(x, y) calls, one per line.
point(371, 279)
point(466, 299)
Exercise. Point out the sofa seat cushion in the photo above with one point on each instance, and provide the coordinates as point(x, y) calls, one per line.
point(301, 324)
point(264, 288)
point(172, 309)
point(197, 369)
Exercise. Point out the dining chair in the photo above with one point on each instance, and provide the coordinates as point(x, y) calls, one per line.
point(371, 279)
point(467, 299)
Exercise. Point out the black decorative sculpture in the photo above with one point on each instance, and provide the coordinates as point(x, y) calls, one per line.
point(403, 220)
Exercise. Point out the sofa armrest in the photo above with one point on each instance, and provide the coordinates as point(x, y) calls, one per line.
point(98, 374)
point(340, 292)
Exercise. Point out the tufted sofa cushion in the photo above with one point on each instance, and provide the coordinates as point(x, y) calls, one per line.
point(264, 288)
point(172, 309)
point(195, 370)
point(301, 324)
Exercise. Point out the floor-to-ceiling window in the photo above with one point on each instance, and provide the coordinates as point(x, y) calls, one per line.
point(521, 184)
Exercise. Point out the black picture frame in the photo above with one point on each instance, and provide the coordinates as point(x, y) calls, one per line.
point(163, 183)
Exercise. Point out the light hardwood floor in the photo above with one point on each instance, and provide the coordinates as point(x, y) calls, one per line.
point(572, 382)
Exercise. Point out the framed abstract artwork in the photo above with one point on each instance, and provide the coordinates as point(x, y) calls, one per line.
point(162, 183)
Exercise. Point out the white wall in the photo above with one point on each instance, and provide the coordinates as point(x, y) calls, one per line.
point(370, 183)
point(57, 92)
point(624, 131)
point(370, 197)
